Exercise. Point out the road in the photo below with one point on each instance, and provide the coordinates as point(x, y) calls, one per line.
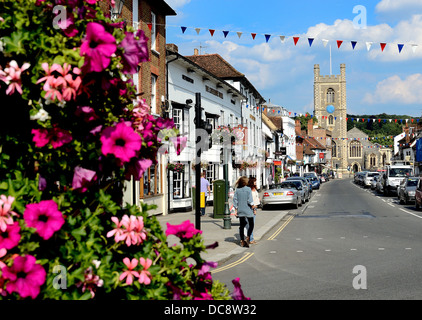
point(346, 243)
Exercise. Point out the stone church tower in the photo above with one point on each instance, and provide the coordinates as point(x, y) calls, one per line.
point(330, 108)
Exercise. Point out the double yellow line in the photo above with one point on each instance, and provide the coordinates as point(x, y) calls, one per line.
point(281, 228)
point(231, 265)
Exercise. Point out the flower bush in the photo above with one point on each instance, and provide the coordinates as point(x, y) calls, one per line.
point(73, 132)
point(177, 167)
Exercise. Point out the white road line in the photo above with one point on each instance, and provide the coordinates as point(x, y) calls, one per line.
point(411, 213)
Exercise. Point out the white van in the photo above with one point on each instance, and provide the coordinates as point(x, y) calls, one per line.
point(393, 176)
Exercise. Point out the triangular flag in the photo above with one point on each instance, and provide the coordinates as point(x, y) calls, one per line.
point(267, 37)
point(310, 40)
point(253, 35)
point(354, 44)
point(197, 30)
point(239, 34)
point(183, 29)
point(325, 42)
point(295, 39)
point(282, 38)
point(383, 46)
point(369, 45)
point(225, 33)
point(400, 47)
point(149, 26)
point(211, 32)
point(414, 46)
point(339, 42)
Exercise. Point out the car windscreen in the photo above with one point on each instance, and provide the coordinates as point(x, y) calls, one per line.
point(400, 172)
point(289, 185)
point(412, 182)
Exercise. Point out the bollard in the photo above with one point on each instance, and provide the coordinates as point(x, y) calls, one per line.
point(227, 219)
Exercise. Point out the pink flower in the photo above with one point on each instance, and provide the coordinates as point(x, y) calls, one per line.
point(83, 178)
point(238, 292)
point(136, 168)
point(87, 113)
point(185, 230)
point(72, 88)
point(10, 237)
point(12, 76)
point(97, 48)
point(129, 229)
point(3, 252)
point(121, 141)
point(145, 276)
point(91, 282)
point(5, 213)
point(25, 276)
point(134, 51)
point(129, 274)
point(45, 217)
point(55, 136)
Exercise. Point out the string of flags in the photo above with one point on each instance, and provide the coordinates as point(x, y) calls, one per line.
point(311, 40)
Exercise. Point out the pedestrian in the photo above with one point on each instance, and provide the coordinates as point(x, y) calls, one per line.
point(256, 202)
point(244, 205)
point(205, 188)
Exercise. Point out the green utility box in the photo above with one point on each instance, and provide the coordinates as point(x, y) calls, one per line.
point(219, 194)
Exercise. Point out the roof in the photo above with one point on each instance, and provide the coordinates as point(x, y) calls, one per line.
point(215, 64)
point(278, 122)
point(268, 122)
point(314, 144)
point(162, 7)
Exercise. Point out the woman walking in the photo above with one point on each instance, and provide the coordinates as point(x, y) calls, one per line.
point(244, 205)
point(256, 202)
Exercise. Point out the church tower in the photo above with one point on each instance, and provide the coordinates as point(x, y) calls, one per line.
point(330, 108)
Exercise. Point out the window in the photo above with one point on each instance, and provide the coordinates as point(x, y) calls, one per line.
point(212, 174)
point(153, 94)
point(330, 120)
point(177, 185)
point(331, 95)
point(334, 150)
point(150, 182)
point(212, 120)
point(355, 150)
point(153, 31)
point(181, 120)
point(373, 160)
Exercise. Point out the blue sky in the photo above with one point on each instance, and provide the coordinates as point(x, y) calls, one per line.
point(377, 81)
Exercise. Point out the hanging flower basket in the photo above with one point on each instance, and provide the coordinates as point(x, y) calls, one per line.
point(176, 167)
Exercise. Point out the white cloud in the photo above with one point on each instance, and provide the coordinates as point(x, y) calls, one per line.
point(396, 90)
point(387, 6)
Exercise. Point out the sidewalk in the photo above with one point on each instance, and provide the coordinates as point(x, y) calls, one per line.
point(228, 239)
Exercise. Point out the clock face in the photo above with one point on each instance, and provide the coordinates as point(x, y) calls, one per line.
point(330, 109)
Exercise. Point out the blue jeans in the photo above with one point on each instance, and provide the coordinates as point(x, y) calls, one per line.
point(247, 227)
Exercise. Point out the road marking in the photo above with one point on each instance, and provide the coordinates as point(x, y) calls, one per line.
point(236, 263)
point(281, 228)
point(327, 250)
point(353, 249)
point(381, 249)
point(391, 205)
point(411, 213)
point(407, 248)
point(299, 251)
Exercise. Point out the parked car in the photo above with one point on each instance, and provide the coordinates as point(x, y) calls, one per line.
point(418, 194)
point(311, 188)
point(304, 188)
point(406, 190)
point(379, 187)
point(286, 193)
point(307, 186)
point(321, 178)
point(310, 174)
point(315, 183)
point(374, 182)
point(368, 177)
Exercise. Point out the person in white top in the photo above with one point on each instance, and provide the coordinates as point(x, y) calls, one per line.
point(256, 202)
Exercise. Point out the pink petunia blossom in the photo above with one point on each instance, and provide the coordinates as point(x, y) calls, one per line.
point(45, 217)
point(56, 137)
point(137, 167)
point(134, 51)
point(25, 276)
point(121, 141)
point(83, 178)
point(3, 252)
point(129, 274)
point(10, 237)
point(97, 48)
point(12, 76)
point(145, 275)
point(185, 230)
point(238, 292)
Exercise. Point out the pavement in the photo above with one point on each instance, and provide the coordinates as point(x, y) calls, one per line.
point(228, 239)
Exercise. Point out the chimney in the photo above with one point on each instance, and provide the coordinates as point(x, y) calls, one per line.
point(310, 128)
point(298, 127)
point(195, 52)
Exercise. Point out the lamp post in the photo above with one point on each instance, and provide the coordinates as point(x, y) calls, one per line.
point(227, 220)
point(118, 8)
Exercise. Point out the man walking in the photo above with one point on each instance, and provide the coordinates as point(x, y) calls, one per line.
point(205, 188)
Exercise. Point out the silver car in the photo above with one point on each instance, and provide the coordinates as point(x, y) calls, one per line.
point(307, 186)
point(368, 177)
point(406, 190)
point(286, 193)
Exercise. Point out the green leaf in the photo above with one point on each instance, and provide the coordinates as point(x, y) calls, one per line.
point(15, 43)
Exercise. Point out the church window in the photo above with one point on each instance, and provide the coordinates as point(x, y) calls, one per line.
point(334, 150)
point(373, 160)
point(330, 120)
point(355, 150)
point(331, 95)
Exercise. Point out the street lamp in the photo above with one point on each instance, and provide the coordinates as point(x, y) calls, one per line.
point(118, 8)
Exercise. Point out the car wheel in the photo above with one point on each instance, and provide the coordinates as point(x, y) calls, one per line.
point(296, 206)
point(416, 205)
